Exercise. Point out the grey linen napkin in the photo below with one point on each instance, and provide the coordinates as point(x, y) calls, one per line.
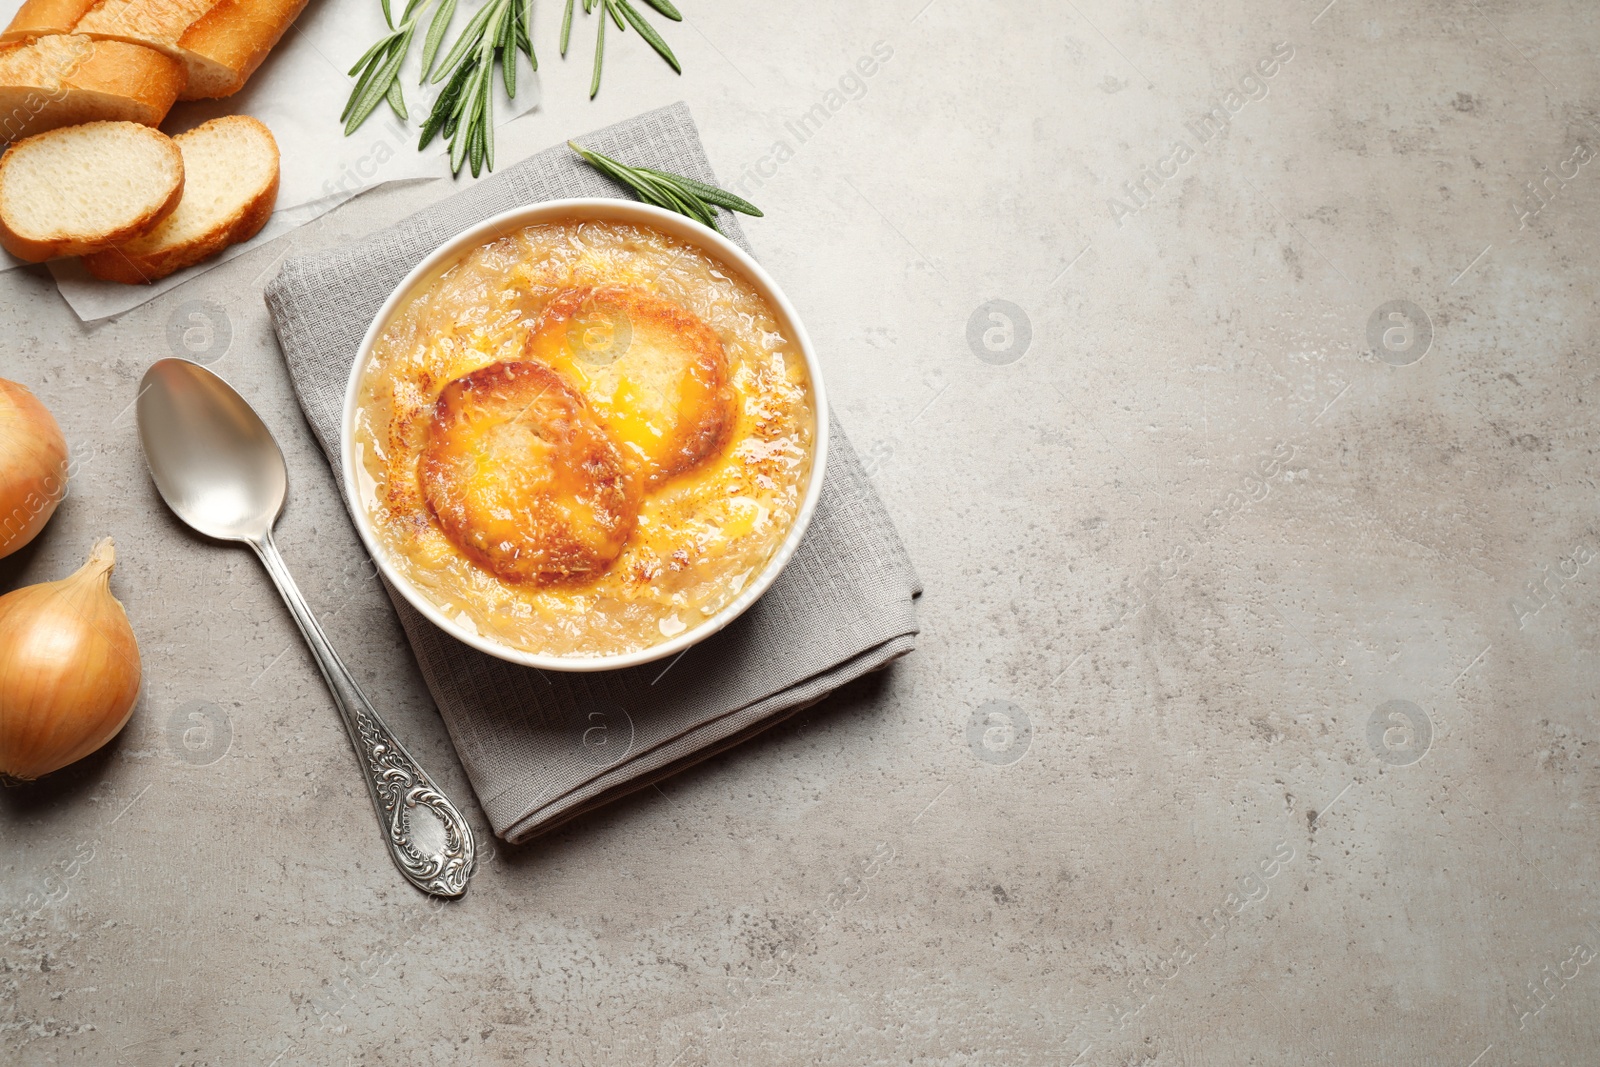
point(542, 747)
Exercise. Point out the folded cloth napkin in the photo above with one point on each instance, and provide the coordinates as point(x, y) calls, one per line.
point(542, 747)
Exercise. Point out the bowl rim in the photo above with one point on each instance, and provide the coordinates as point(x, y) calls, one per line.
point(496, 226)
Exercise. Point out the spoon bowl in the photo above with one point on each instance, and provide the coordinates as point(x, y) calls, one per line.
point(213, 460)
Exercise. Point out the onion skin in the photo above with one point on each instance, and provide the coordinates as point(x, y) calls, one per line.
point(33, 466)
point(69, 669)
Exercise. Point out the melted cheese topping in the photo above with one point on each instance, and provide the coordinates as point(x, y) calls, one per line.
point(703, 531)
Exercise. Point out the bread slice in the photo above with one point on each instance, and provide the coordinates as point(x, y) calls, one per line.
point(64, 80)
point(229, 42)
point(84, 188)
point(230, 170)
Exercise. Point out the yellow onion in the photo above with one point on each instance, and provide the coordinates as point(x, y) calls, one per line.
point(69, 669)
point(33, 466)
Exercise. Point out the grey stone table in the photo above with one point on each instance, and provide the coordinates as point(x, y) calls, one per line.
point(1229, 369)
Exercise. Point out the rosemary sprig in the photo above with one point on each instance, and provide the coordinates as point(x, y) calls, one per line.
point(618, 11)
point(377, 73)
point(664, 189)
point(464, 111)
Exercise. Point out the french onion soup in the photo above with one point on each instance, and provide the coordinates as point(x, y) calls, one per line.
point(584, 438)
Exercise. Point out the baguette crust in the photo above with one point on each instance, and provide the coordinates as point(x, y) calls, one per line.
point(40, 247)
point(67, 80)
point(40, 18)
point(226, 45)
point(155, 24)
point(145, 261)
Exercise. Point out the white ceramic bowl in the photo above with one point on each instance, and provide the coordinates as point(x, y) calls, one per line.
point(627, 211)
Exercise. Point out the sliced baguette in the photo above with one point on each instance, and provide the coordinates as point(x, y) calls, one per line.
point(85, 188)
point(40, 18)
point(64, 80)
point(221, 42)
point(230, 41)
point(155, 24)
point(230, 184)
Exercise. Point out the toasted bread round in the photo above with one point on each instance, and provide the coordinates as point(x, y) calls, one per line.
point(656, 375)
point(230, 184)
point(67, 79)
point(82, 188)
point(524, 479)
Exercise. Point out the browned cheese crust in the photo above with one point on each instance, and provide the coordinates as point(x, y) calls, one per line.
point(673, 364)
point(523, 478)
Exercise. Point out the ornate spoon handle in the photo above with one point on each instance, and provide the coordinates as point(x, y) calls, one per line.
point(427, 836)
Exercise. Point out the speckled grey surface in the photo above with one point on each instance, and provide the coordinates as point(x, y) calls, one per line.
point(1144, 793)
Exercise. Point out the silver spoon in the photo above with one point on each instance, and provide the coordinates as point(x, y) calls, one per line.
point(218, 467)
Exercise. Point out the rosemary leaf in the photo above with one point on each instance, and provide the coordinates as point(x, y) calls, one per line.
point(436, 29)
point(488, 133)
point(475, 147)
point(458, 154)
point(566, 28)
point(666, 8)
point(480, 118)
point(611, 9)
point(505, 29)
point(466, 102)
point(397, 99)
point(599, 54)
point(649, 33)
point(508, 67)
